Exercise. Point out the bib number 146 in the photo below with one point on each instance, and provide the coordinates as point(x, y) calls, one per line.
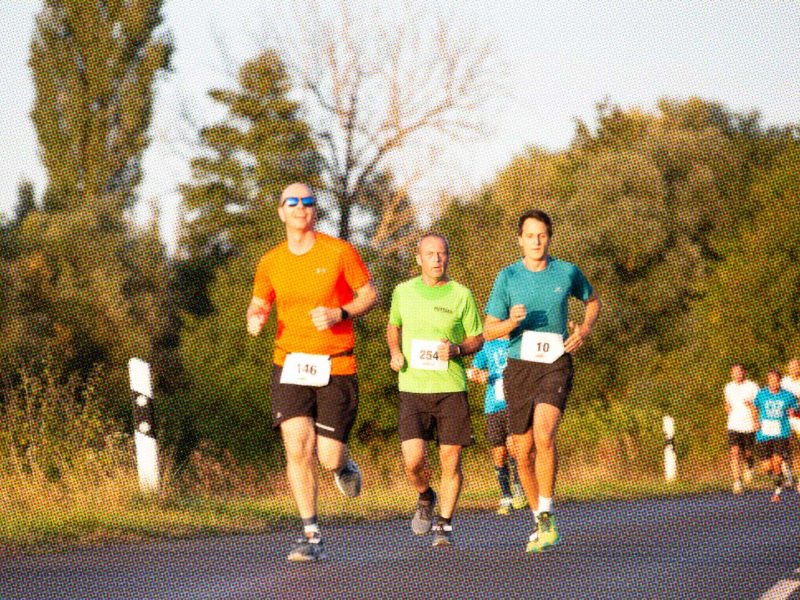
point(306, 369)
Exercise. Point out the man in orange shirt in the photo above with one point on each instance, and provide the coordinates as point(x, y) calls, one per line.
point(317, 283)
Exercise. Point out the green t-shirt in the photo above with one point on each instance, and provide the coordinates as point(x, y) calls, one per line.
point(426, 315)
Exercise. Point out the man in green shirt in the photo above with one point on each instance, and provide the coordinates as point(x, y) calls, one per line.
point(433, 323)
point(528, 303)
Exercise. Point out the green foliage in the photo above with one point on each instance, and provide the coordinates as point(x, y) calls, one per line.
point(230, 371)
point(249, 158)
point(94, 65)
point(48, 423)
point(87, 289)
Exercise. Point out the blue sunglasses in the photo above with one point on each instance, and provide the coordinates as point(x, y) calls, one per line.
point(308, 201)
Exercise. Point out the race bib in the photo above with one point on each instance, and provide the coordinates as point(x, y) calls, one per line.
point(541, 347)
point(499, 392)
point(306, 369)
point(771, 427)
point(425, 356)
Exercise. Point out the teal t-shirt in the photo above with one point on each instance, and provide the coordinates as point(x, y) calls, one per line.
point(427, 314)
point(773, 413)
point(493, 358)
point(544, 294)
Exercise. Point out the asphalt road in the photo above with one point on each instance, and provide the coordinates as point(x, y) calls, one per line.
point(711, 546)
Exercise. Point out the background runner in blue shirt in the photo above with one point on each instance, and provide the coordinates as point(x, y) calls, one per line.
point(774, 406)
point(487, 368)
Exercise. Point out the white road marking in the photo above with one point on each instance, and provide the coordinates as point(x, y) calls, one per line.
point(781, 590)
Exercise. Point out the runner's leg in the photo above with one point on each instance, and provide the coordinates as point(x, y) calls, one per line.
point(545, 424)
point(415, 464)
point(299, 441)
point(332, 453)
point(450, 487)
point(526, 467)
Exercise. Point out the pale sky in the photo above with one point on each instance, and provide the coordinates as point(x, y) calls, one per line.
point(563, 56)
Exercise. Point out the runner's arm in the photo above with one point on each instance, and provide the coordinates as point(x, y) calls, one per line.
point(324, 317)
point(393, 337)
point(470, 345)
point(582, 331)
point(478, 375)
point(366, 298)
point(494, 328)
point(257, 314)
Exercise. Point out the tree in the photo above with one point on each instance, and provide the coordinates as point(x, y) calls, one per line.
point(383, 89)
point(94, 66)
point(249, 157)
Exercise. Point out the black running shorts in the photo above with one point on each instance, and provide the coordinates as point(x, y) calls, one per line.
point(527, 384)
point(497, 428)
point(435, 417)
point(745, 441)
point(333, 407)
point(770, 448)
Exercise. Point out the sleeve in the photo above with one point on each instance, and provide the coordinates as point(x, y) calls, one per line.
point(394, 312)
point(355, 271)
point(262, 286)
point(498, 304)
point(471, 319)
point(581, 288)
point(793, 402)
point(479, 360)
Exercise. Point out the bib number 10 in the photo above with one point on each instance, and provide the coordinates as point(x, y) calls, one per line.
point(541, 347)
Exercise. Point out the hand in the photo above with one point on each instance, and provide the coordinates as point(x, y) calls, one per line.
point(324, 317)
point(517, 313)
point(397, 361)
point(255, 323)
point(478, 375)
point(446, 350)
point(576, 338)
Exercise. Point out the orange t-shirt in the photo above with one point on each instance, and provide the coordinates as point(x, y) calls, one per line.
point(326, 275)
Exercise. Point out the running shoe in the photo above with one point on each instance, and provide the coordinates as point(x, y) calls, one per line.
point(423, 516)
point(548, 535)
point(505, 506)
point(307, 549)
point(737, 487)
point(442, 534)
point(348, 479)
point(533, 541)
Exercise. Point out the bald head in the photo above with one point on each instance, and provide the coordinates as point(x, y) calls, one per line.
point(297, 190)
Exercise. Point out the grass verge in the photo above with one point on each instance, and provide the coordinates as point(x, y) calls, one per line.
point(89, 507)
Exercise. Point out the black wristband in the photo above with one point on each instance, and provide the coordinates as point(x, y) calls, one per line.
point(345, 314)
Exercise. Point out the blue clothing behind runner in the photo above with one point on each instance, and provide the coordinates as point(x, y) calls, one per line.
point(774, 407)
point(492, 357)
point(544, 294)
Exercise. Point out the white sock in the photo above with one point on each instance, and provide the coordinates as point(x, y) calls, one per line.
point(311, 529)
point(545, 505)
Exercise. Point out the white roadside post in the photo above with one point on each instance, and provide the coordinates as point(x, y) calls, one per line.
point(670, 460)
point(144, 425)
